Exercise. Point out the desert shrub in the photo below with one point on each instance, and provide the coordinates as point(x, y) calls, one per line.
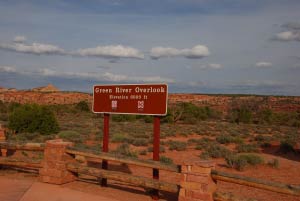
point(4, 117)
point(230, 160)
point(262, 138)
point(118, 137)
point(240, 115)
point(291, 137)
point(98, 136)
point(189, 113)
point(240, 161)
point(166, 160)
point(124, 149)
point(192, 141)
point(205, 155)
point(253, 159)
point(274, 163)
point(287, 118)
point(33, 118)
point(286, 147)
point(177, 145)
point(12, 106)
point(87, 148)
point(161, 149)
point(3, 107)
point(226, 139)
point(216, 151)
point(82, 106)
point(72, 136)
point(265, 116)
point(148, 119)
point(23, 137)
point(247, 148)
point(123, 118)
point(204, 143)
point(140, 134)
point(139, 142)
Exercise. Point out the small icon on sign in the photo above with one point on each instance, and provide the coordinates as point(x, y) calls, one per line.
point(114, 105)
point(140, 105)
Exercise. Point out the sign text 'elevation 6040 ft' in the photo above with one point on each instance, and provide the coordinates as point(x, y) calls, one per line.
point(149, 99)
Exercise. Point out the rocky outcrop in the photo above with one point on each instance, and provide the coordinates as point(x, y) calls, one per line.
point(48, 88)
point(219, 102)
point(42, 98)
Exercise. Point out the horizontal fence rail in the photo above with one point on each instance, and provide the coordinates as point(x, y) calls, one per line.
point(123, 177)
point(28, 164)
point(25, 147)
point(110, 157)
point(257, 183)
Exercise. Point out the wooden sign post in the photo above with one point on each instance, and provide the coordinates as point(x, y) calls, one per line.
point(139, 99)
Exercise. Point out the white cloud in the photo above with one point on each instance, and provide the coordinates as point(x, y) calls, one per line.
point(292, 25)
point(292, 32)
point(111, 51)
point(263, 64)
point(90, 75)
point(210, 66)
point(7, 69)
point(34, 48)
point(215, 66)
point(288, 36)
point(199, 51)
point(19, 39)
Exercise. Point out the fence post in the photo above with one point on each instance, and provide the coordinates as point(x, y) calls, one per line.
point(196, 181)
point(54, 168)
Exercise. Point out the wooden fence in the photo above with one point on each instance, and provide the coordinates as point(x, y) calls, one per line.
point(187, 171)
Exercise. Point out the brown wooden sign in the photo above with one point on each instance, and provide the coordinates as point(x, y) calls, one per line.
point(146, 99)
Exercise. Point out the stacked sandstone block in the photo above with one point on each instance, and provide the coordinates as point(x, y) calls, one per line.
point(196, 182)
point(54, 169)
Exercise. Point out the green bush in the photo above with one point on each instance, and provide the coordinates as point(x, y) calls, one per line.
point(3, 107)
point(265, 116)
point(189, 113)
point(224, 139)
point(241, 161)
point(12, 106)
point(82, 106)
point(72, 136)
point(140, 142)
point(177, 145)
point(148, 119)
point(166, 160)
point(33, 118)
point(240, 115)
point(123, 118)
point(286, 147)
point(118, 137)
point(216, 151)
point(124, 150)
point(247, 148)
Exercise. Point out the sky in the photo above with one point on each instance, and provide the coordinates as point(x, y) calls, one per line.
point(195, 46)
